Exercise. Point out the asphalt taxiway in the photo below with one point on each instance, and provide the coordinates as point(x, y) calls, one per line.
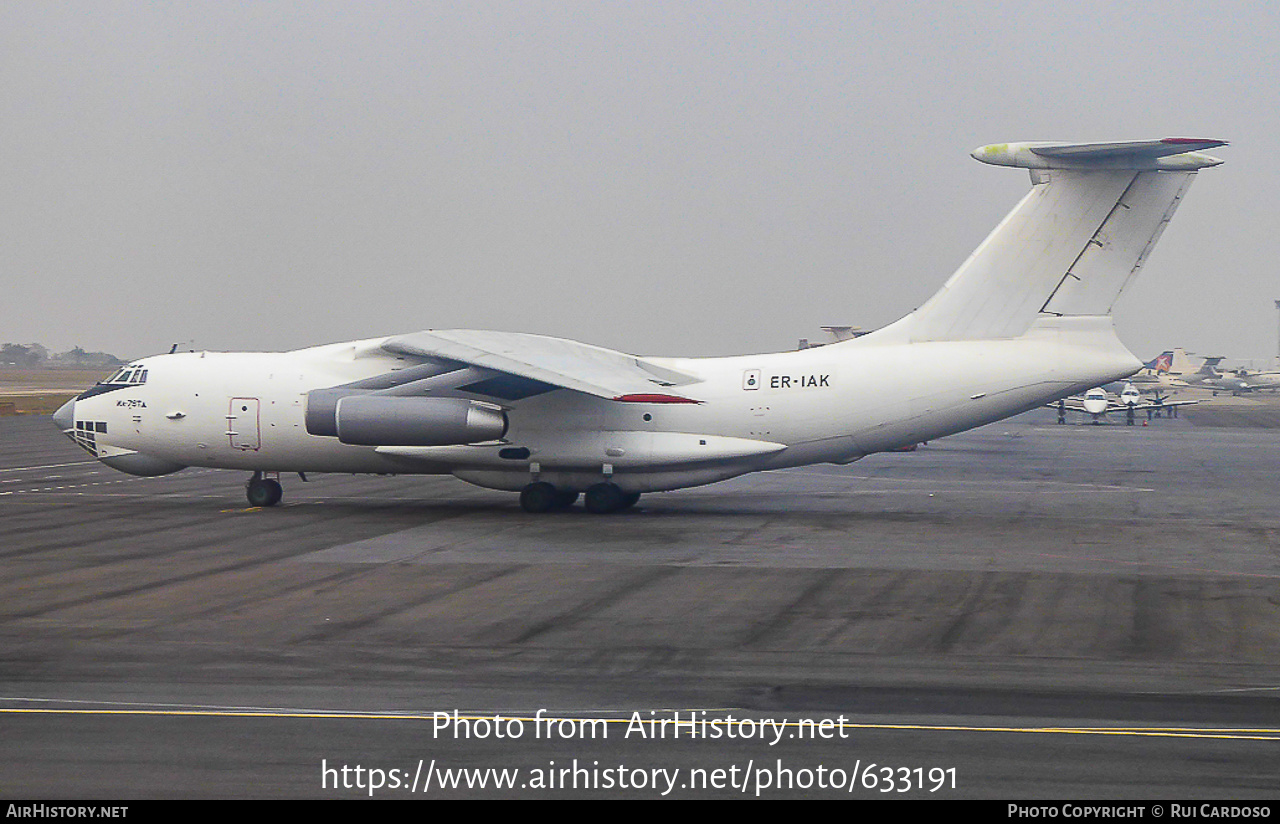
point(1048, 611)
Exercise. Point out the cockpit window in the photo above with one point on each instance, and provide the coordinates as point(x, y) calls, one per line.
point(129, 374)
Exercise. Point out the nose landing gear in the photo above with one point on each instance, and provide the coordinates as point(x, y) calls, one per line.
point(262, 491)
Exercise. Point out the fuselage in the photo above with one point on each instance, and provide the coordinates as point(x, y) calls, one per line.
point(835, 403)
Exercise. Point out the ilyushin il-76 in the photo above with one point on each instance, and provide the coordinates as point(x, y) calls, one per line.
point(1024, 321)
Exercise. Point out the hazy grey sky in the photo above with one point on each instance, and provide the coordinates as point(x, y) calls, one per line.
point(661, 178)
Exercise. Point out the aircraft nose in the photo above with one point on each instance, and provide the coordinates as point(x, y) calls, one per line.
point(65, 417)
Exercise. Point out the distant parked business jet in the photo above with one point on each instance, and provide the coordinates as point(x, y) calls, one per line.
point(1025, 320)
point(1098, 403)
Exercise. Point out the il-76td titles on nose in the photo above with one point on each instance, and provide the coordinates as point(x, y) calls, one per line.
point(1025, 320)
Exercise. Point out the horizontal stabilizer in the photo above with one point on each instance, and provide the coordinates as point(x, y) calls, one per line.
point(1181, 154)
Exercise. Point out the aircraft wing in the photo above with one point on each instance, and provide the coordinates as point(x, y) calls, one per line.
point(1140, 407)
point(568, 364)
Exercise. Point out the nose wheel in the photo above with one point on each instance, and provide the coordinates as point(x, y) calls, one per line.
point(263, 491)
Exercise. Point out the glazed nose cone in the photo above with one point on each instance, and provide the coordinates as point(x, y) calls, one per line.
point(65, 417)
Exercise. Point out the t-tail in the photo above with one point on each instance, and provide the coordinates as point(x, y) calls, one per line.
point(1210, 366)
point(1070, 247)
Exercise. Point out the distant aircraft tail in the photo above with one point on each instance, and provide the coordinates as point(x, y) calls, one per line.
point(1180, 363)
point(1073, 243)
point(1161, 363)
point(1210, 366)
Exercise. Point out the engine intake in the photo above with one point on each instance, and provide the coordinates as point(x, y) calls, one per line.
point(373, 420)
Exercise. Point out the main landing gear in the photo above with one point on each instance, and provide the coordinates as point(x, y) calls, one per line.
point(543, 497)
point(600, 499)
point(263, 491)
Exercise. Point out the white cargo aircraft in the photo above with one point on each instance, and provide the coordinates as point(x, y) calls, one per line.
point(1025, 320)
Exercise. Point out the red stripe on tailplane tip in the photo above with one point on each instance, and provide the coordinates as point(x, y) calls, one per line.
point(654, 399)
point(1177, 141)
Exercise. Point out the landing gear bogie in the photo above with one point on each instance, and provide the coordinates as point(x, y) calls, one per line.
point(539, 497)
point(600, 499)
point(605, 498)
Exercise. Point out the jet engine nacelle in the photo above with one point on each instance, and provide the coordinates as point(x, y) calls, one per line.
point(374, 420)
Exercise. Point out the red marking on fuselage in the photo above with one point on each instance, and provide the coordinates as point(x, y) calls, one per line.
point(654, 399)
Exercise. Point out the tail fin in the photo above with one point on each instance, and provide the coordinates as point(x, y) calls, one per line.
point(1210, 366)
point(1180, 363)
point(1160, 363)
point(1072, 245)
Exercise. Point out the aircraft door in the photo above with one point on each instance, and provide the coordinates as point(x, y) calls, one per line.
point(243, 424)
